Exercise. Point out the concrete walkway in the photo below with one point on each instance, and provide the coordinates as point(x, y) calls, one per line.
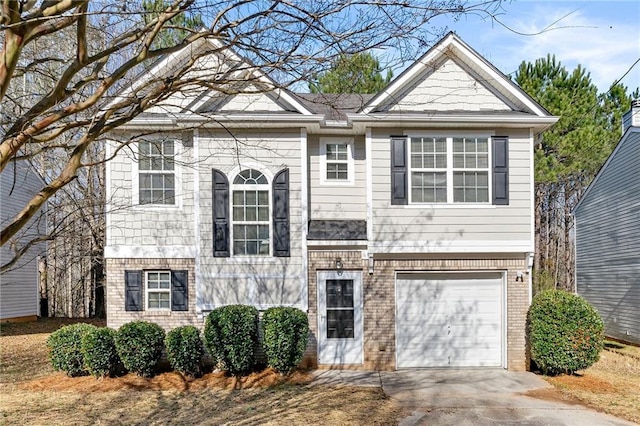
point(469, 397)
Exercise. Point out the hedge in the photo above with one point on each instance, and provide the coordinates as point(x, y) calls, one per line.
point(139, 345)
point(286, 332)
point(99, 352)
point(185, 350)
point(231, 336)
point(65, 347)
point(566, 333)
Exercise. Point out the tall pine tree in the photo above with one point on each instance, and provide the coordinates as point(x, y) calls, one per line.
point(357, 73)
point(567, 156)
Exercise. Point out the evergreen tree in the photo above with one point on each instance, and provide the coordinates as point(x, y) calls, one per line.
point(567, 156)
point(177, 29)
point(357, 73)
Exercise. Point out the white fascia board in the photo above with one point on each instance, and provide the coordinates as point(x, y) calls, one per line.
point(150, 252)
point(474, 246)
point(435, 120)
point(187, 121)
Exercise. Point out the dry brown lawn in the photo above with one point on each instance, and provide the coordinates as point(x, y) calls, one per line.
point(32, 393)
point(611, 385)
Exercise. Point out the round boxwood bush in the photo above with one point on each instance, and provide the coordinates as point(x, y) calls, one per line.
point(99, 352)
point(139, 345)
point(286, 332)
point(566, 333)
point(231, 336)
point(65, 347)
point(185, 350)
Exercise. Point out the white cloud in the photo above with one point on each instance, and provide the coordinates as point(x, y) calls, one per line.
point(606, 47)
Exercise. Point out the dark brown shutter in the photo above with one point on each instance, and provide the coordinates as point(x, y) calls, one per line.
point(179, 291)
point(220, 189)
point(500, 170)
point(133, 291)
point(281, 237)
point(399, 170)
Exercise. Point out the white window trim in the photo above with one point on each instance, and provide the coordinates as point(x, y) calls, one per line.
point(135, 178)
point(449, 170)
point(350, 162)
point(147, 290)
point(232, 187)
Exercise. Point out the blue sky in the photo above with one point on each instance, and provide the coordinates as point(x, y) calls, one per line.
point(602, 36)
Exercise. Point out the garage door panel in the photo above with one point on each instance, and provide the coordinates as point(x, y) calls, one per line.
point(449, 322)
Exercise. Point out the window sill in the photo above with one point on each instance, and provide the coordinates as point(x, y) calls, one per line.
point(157, 313)
point(450, 206)
point(243, 260)
point(336, 183)
point(156, 207)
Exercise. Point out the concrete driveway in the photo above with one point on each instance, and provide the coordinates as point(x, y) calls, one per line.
point(470, 397)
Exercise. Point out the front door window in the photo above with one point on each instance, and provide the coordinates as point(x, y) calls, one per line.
point(340, 309)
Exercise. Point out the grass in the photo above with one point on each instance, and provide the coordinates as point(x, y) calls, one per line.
point(612, 385)
point(32, 393)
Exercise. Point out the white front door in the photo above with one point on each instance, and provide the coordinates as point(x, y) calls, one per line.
point(340, 317)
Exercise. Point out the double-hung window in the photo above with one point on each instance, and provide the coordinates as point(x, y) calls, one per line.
point(449, 169)
point(470, 170)
point(158, 289)
point(156, 169)
point(336, 163)
point(250, 213)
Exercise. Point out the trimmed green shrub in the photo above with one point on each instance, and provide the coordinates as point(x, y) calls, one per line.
point(286, 332)
point(99, 352)
point(566, 333)
point(231, 336)
point(185, 350)
point(65, 347)
point(139, 345)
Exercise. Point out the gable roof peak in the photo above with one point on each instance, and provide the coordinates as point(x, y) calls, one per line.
point(452, 47)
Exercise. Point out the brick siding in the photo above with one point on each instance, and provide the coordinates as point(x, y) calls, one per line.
point(379, 302)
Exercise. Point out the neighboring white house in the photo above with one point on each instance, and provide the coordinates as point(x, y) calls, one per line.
point(19, 296)
point(607, 220)
point(402, 223)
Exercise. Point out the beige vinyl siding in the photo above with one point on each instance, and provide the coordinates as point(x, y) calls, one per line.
point(608, 242)
point(259, 280)
point(337, 201)
point(449, 88)
point(442, 223)
point(19, 285)
point(150, 225)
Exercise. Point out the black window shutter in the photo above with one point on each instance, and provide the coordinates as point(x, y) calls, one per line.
point(220, 189)
point(500, 170)
point(179, 291)
point(281, 237)
point(399, 170)
point(133, 291)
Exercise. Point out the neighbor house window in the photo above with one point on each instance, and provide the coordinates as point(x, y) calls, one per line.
point(158, 289)
point(449, 169)
point(156, 168)
point(336, 163)
point(250, 213)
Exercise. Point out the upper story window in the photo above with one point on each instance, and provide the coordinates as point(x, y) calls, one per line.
point(449, 169)
point(336, 161)
point(156, 169)
point(251, 218)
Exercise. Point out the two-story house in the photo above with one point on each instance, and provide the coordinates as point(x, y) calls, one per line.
point(401, 222)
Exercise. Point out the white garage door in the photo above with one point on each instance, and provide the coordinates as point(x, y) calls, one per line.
point(445, 320)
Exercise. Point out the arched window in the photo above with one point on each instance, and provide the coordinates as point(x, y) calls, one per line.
point(250, 212)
